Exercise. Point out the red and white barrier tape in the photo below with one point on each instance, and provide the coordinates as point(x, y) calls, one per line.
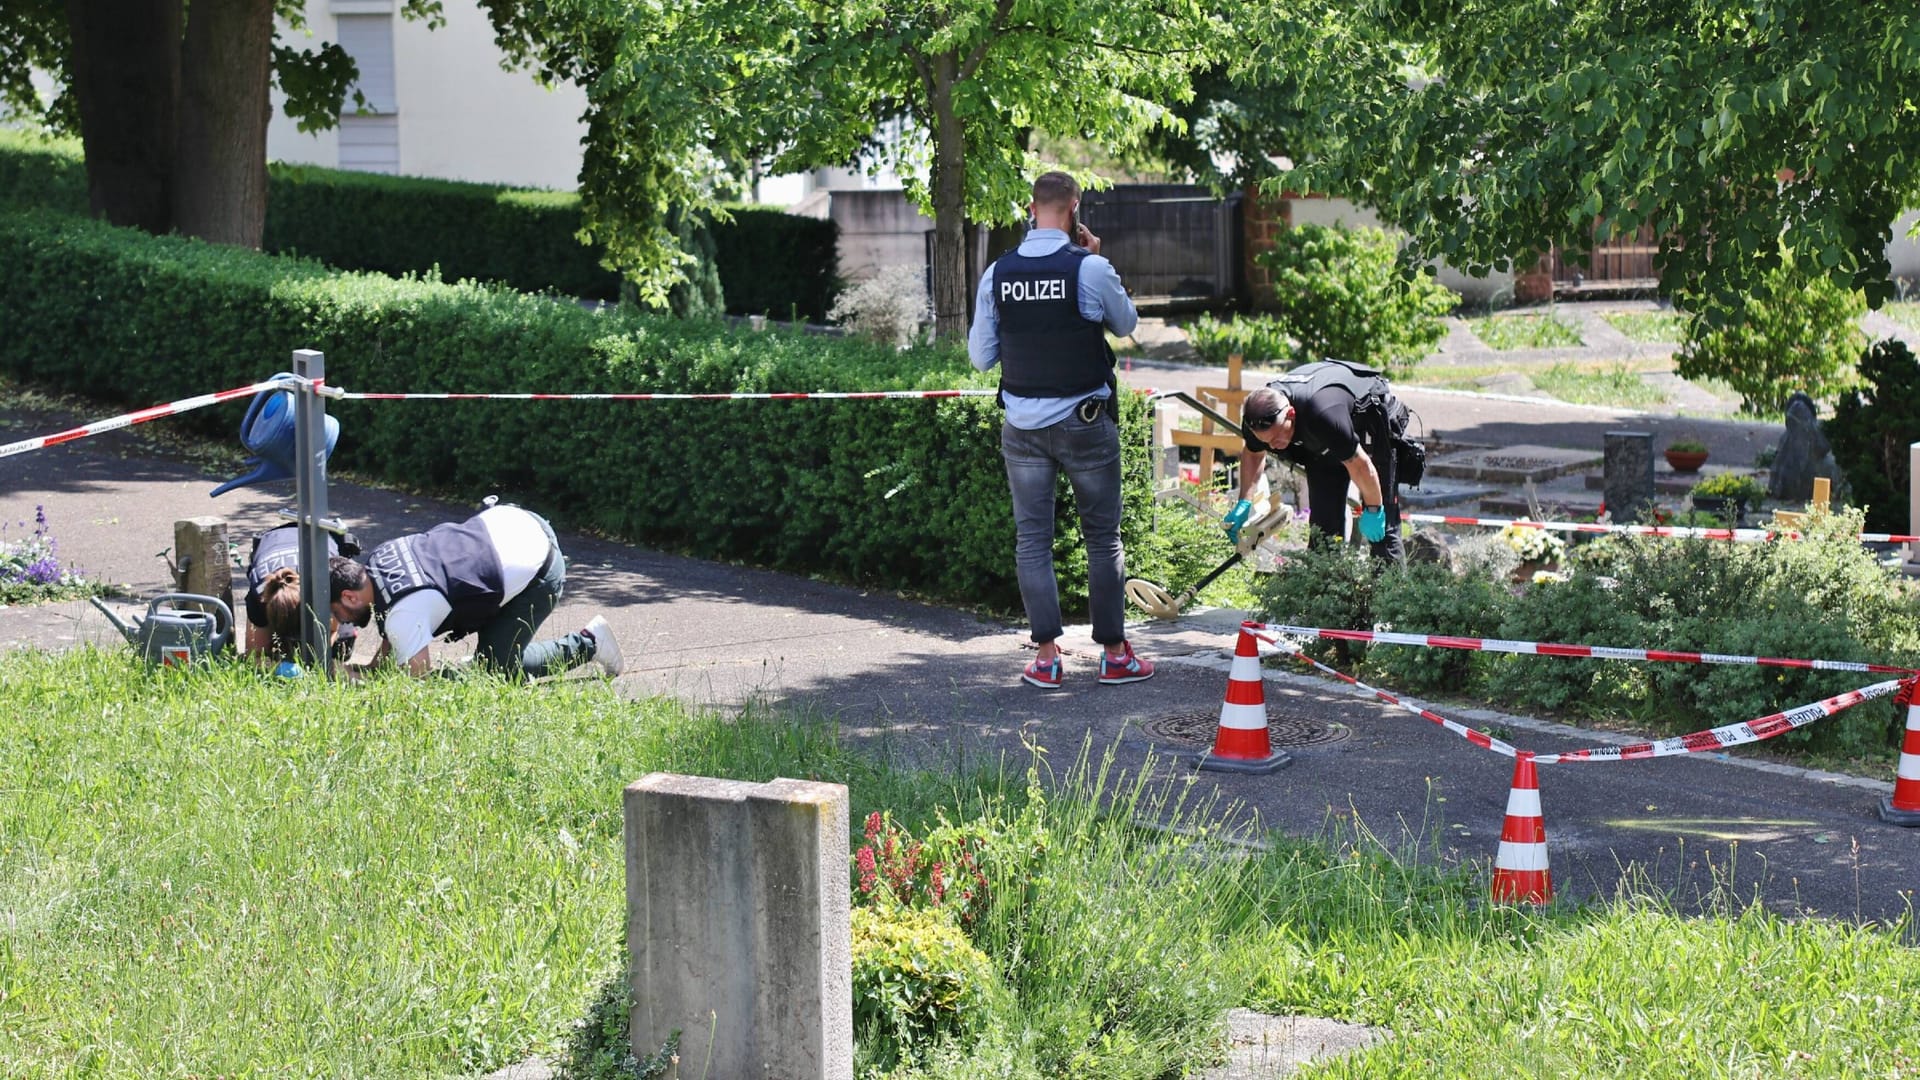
point(1577, 652)
point(171, 408)
point(854, 395)
point(1675, 531)
point(1719, 738)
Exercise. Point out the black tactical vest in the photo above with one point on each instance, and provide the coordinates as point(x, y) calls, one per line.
point(278, 549)
point(1047, 348)
point(1368, 387)
point(457, 561)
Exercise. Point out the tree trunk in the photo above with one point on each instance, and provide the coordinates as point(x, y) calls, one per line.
point(126, 79)
point(220, 164)
point(950, 282)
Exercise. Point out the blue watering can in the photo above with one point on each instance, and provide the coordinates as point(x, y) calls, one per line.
point(267, 432)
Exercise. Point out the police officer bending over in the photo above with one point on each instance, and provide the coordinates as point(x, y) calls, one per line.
point(498, 574)
point(1340, 422)
point(1041, 313)
point(273, 595)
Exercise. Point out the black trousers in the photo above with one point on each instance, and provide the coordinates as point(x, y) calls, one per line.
point(1327, 480)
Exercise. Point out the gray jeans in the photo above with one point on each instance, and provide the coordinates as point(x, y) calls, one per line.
point(1088, 452)
point(506, 643)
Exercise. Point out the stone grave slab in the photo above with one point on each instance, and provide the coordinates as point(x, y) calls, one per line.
point(1513, 464)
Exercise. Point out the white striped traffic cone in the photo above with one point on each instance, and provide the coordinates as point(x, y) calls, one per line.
point(1903, 806)
point(1241, 743)
point(1520, 873)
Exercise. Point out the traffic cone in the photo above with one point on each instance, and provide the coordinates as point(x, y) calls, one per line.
point(1241, 743)
point(1520, 873)
point(1903, 806)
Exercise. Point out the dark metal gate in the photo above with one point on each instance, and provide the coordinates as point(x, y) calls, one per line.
point(1172, 243)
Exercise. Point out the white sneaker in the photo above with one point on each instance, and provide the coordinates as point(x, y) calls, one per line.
point(605, 649)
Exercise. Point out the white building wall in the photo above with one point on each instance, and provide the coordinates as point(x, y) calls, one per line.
point(455, 114)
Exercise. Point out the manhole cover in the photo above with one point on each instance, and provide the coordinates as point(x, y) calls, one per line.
point(1200, 728)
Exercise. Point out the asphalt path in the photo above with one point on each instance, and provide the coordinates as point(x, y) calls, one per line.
point(931, 685)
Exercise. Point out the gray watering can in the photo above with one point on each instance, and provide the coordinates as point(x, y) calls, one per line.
point(175, 637)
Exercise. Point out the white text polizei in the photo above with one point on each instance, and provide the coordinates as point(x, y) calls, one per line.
point(1034, 289)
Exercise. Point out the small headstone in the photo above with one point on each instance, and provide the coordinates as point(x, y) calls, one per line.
point(1803, 454)
point(1629, 474)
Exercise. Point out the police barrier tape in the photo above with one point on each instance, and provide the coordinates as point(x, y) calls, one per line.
point(849, 395)
point(1675, 531)
point(1719, 738)
point(171, 408)
point(1577, 652)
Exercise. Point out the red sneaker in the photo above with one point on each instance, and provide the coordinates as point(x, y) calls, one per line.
point(1128, 668)
point(1044, 674)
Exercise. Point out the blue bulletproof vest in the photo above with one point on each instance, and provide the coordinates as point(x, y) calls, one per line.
point(457, 561)
point(278, 549)
point(1047, 348)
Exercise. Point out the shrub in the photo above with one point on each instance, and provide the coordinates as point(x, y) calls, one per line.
point(1580, 610)
point(1798, 334)
point(888, 307)
point(600, 1048)
point(1328, 586)
point(916, 979)
point(1872, 429)
point(759, 260)
point(1739, 487)
point(1421, 598)
point(775, 263)
point(1823, 597)
point(909, 493)
point(1260, 340)
point(1339, 293)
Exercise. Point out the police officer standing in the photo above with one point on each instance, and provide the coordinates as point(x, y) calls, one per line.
point(1041, 314)
point(497, 575)
point(1341, 423)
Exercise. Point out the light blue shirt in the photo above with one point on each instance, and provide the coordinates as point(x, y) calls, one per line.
point(1102, 299)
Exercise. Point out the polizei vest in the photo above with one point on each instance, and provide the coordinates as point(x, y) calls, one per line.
point(457, 561)
point(1047, 348)
point(278, 549)
point(1367, 385)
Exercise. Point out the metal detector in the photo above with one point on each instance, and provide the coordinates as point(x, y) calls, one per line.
point(1159, 603)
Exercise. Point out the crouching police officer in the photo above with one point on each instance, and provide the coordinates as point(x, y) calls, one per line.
point(497, 575)
point(273, 595)
point(1040, 313)
point(1341, 423)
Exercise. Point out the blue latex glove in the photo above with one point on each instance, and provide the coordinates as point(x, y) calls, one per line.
point(1238, 517)
point(1373, 524)
point(287, 669)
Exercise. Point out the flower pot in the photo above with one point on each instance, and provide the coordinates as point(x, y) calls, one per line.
point(1686, 460)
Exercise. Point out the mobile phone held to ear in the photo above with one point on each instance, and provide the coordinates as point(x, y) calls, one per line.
point(1073, 225)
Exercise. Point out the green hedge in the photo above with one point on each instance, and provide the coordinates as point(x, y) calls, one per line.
point(910, 493)
point(405, 224)
point(775, 263)
point(1825, 597)
point(768, 261)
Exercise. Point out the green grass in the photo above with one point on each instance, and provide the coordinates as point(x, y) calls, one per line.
point(213, 874)
point(1615, 384)
point(1525, 332)
point(1649, 326)
point(1905, 312)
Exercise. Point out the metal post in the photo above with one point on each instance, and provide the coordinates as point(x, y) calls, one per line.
point(310, 489)
point(1913, 507)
